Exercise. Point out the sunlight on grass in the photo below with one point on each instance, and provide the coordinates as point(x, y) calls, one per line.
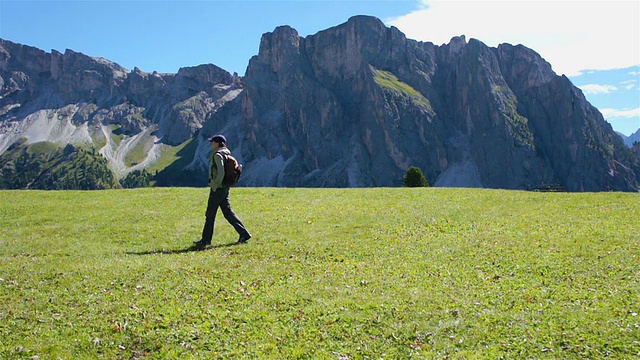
point(139, 153)
point(330, 273)
point(390, 82)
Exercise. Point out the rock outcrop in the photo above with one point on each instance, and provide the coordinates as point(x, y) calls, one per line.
point(74, 98)
point(357, 104)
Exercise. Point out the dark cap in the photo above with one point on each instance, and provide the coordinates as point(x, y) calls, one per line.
point(220, 139)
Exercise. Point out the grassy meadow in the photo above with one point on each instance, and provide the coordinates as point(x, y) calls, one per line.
point(385, 273)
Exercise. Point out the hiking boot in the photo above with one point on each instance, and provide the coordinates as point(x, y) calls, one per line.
point(201, 244)
point(244, 239)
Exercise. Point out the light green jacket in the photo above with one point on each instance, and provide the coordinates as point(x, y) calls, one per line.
point(216, 172)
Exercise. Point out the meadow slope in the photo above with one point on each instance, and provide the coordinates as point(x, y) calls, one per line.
point(330, 274)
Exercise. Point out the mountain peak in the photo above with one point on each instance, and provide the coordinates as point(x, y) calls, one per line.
point(359, 103)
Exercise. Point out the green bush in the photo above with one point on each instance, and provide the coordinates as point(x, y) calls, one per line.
point(415, 178)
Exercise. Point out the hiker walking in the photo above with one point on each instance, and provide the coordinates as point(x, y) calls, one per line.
point(219, 195)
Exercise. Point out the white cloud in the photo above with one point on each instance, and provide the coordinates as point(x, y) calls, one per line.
point(628, 84)
point(592, 89)
point(571, 35)
point(625, 113)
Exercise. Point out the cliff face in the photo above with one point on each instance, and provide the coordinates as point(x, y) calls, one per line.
point(352, 106)
point(357, 104)
point(77, 99)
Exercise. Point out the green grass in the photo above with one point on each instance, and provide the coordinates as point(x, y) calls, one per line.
point(116, 134)
point(509, 107)
point(139, 153)
point(330, 274)
point(391, 83)
point(170, 154)
point(43, 147)
point(97, 137)
point(168, 171)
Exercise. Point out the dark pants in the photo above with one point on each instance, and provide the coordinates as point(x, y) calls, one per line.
point(220, 199)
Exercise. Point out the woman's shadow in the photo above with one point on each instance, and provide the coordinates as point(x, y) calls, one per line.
point(192, 248)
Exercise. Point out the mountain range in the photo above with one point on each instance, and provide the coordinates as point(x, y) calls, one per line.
point(354, 105)
point(631, 139)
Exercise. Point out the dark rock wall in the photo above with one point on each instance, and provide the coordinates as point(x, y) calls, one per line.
point(499, 116)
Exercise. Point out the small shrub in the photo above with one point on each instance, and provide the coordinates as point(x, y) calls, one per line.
point(415, 178)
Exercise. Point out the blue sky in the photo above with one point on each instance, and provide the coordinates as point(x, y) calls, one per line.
point(595, 43)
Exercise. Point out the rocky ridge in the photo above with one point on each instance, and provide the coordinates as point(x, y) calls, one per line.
point(77, 99)
point(351, 106)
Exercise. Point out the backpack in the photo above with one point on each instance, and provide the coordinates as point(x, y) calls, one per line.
point(232, 169)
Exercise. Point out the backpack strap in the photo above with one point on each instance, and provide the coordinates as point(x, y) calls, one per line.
point(224, 155)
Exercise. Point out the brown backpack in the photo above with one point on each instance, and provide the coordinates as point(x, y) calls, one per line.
point(232, 169)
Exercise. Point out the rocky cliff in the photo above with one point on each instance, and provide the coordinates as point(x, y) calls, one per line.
point(357, 104)
point(352, 106)
point(128, 115)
